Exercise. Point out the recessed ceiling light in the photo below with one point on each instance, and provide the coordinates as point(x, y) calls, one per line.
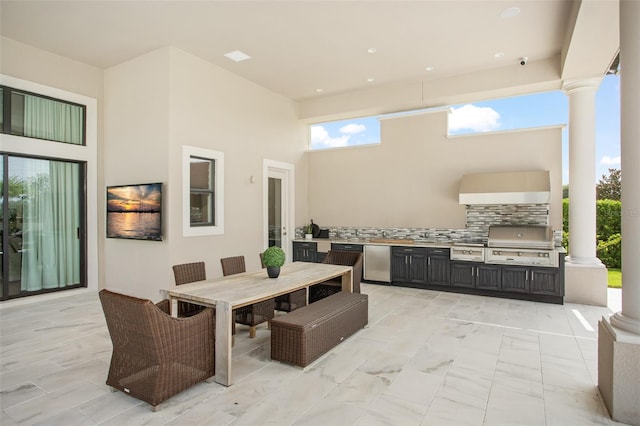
point(237, 56)
point(498, 55)
point(372, 50)
point(429, 68)
point(510, 12)
point(319, 90)
point(370, 79)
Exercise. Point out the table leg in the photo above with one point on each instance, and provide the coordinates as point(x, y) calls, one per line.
point(347, 281)
point(173, 308)
point(223, 343)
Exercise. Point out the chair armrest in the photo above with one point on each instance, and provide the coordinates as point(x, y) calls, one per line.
point(164, 305)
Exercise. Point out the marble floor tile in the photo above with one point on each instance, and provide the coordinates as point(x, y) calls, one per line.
point(425, 358)
point(415, 386)
point(512, 408)
point(388, 410)
point(444, 411)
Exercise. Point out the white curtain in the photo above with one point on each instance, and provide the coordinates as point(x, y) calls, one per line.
point(52, 120)
point(51, 248)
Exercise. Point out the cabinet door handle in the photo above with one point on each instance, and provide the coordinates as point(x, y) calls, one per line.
point(532, 272)
point(429, 260)
point(409, 260)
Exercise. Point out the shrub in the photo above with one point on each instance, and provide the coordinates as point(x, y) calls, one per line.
point(608, 241)
point(273, 256)
point(610, 251)
point(607, 218)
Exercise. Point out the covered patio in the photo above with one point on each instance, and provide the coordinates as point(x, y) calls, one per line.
point(426, 358)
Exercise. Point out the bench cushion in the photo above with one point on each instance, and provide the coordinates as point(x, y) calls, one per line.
point(300, 337)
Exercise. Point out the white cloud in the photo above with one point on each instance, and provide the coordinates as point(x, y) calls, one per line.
point(320, 138)
point(479, 119)
point(610, 161)
point(353, 128)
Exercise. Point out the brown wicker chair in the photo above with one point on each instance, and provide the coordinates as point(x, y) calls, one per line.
point(156, 356)
point(251, 315)
point(291, 301)
point(188, 273)
point(327, 288)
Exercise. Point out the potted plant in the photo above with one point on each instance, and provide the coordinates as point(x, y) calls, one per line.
point(308, 231)
point(273, 259)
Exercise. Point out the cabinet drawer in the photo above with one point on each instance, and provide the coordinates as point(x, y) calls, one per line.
point(347, 247)
point(409, 250)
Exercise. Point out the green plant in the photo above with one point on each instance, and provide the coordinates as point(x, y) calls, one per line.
point(273, 256)
point(610, 251)
point(308, 229)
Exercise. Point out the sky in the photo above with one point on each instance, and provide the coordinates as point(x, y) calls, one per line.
point(543, 109)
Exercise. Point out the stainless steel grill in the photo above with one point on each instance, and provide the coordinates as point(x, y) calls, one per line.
point(521, 245)
point(512, 236)
point(471, 252)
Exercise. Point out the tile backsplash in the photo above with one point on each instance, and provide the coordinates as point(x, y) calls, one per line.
point(478, 220)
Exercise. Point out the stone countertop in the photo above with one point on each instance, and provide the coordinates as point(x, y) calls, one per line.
point(381, 242)
point(391, 242)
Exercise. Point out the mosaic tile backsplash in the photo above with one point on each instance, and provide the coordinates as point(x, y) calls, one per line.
point(478, 220)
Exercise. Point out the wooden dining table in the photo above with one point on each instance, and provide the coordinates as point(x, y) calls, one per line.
point(235, 291)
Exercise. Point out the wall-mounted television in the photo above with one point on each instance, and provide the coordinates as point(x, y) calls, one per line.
point(135, 211)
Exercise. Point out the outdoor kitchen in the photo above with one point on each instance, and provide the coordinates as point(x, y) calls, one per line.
point(506, 249)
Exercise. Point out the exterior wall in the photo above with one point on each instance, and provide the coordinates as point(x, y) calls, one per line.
point(45, 73)
point(136, 151)
point(412, 178)
point(166, 99)
point(214, 109)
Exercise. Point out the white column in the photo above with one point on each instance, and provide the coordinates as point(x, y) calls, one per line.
point(619, 335)
point(582, 170)
point(629, 318)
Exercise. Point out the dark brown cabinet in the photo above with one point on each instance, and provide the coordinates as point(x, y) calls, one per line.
point(515, 279)
point(438, 266)
point(545, 281)
point(409, 265)
point(475, 275)
point(347, 247)
point(538, 281)
point(305, 252)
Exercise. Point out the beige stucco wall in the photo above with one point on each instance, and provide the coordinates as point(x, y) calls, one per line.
point(411, 179)
point(53, 75)
point(168, 98)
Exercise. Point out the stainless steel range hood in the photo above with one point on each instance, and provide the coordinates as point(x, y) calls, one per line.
point(532, 187)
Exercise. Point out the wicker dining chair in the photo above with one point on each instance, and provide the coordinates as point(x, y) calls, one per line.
point(336, 257)
point(155, 355)
point(188, 273)
point(251, 315)
point(291, 301)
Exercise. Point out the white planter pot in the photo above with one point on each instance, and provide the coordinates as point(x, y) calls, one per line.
point(308, 236)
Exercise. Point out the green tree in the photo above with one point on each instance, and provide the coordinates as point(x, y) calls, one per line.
point(565, 191)
point(609, 187)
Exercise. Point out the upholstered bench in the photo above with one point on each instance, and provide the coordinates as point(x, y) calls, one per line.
point(301, 336)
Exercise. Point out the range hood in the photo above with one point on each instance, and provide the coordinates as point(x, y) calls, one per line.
point(532, 187)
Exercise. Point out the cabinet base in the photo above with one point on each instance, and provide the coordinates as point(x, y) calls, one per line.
point(543, 298)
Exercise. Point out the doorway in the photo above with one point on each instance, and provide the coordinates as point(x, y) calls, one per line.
point(42, 218)
point(278, 204)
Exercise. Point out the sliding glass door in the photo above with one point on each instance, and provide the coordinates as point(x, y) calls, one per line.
point(42, 225)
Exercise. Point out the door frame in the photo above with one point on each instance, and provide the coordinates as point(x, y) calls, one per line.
point(288, 194)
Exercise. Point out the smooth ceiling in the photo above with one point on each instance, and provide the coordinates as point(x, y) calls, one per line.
point(298, 47)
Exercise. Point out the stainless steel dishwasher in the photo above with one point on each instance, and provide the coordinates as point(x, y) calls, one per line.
point(377, 263)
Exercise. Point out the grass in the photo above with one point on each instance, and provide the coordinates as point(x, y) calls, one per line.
point(615, 278)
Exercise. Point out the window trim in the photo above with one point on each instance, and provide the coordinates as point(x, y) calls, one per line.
point(218, 192)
